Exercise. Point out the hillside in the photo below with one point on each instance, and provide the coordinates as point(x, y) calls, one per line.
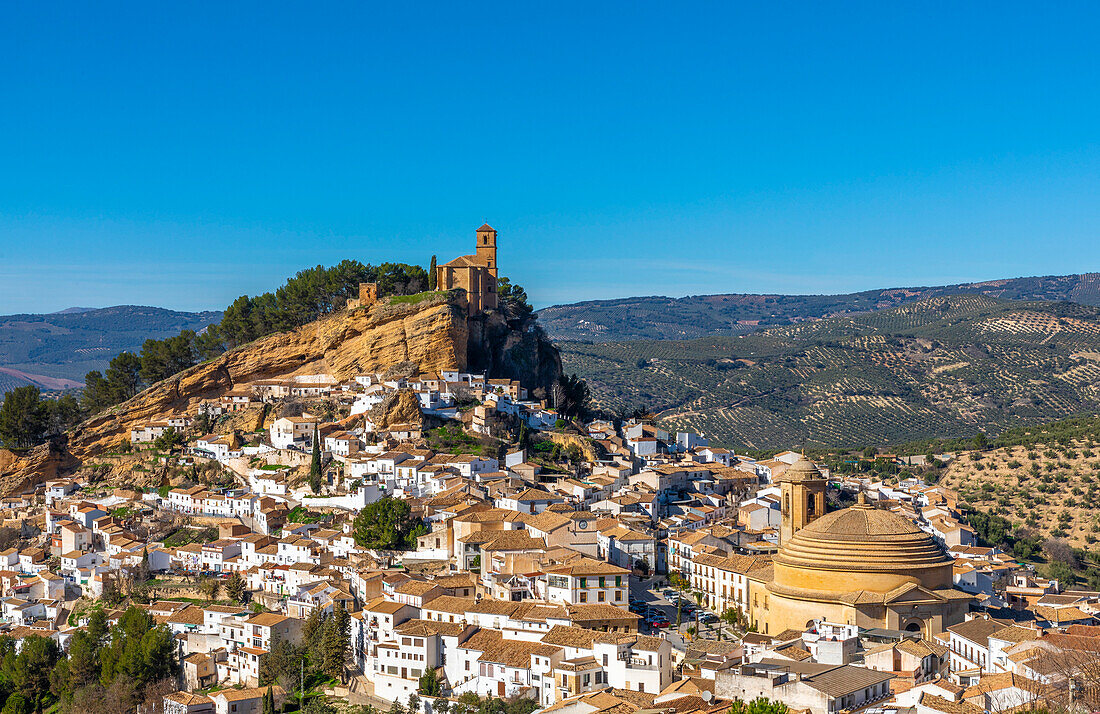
point(943, 366)
point(1043, 479)
point(67, 345)
point(663, 318)
point(434, 334)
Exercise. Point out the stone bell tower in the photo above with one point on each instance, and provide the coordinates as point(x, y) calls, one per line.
point(803, 492)
point(487, 248)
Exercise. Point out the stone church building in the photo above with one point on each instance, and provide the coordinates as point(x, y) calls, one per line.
point(476, 274)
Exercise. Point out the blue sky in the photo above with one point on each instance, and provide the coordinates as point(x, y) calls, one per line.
point(181, 156)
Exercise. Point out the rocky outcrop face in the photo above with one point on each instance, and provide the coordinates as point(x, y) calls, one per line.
point(401, 407)
point(513, 349)
point(409, 338)
point(42, 463)
point(430, 334)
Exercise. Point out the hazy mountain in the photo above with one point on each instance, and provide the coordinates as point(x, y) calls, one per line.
point(68, 344)
point(663, 318)
point(72, 310)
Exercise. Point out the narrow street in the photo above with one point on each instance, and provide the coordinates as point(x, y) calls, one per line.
point(663, 599)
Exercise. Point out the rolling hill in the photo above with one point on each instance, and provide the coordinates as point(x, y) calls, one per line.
point(35, 349)
point(938, 367)
point(663, 318)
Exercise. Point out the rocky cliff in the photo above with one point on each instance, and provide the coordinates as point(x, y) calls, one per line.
point(429, 336)
point(19, 473)
point(514, 349)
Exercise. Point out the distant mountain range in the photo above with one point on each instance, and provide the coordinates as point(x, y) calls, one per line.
point(664, 318)
point(55, 351)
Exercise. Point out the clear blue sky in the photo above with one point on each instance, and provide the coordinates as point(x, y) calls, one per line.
point(183, 156)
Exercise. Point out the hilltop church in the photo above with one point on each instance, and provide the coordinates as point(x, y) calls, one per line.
point(476, 274)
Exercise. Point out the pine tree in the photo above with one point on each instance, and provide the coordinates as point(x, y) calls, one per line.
point(315, 464)
point(431, 275)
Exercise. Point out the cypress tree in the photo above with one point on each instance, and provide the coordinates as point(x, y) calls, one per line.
point(337, 642)
point(144, 572)
point(315, 464)
point(431, 275)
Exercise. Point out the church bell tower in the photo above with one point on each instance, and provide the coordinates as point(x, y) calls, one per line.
point(803, 497)
point(487, 248)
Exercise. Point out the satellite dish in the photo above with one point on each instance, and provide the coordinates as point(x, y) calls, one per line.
point(707, 697)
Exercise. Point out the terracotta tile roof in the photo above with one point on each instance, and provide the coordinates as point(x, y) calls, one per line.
point(517, 653)
point(568, 636)
point(189, 698)
point(483, 640)
point(237, 695)
point(513, 540)
point(587, 612)
point(190, 615)
point(1002, 680)
point(587, 566)
point(450, 603)
point(425, 628)
point(414, 587)
point(266, 619)
point(946, 706)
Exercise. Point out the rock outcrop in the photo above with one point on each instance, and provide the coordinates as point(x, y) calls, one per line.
point(514, 349)
point(430, 334)
point(42, 463)
point(401, 407)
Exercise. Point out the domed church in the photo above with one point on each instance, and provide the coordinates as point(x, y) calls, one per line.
point(860, 565)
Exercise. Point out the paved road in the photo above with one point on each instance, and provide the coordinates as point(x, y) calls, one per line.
point(655, 597)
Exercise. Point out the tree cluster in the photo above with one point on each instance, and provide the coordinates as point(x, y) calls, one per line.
point(572, 396)
point(305, 297)
point(322, 653)
point(26, 419)
point(107, 668)
point(513, 299)
point(312, 293)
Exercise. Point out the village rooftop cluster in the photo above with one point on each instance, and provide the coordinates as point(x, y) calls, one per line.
point(563, 586)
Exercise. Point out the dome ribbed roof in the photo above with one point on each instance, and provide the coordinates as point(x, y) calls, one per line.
point(801, 470)
point(862, 538)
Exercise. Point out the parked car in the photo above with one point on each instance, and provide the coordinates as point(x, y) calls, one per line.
point(708, 618)
point(660, 622)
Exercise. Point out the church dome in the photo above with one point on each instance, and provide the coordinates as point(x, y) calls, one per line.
point(801, 470)
point(870, 548)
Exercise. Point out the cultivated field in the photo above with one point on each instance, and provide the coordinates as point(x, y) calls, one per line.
point(1053, 490)
point(944, 366)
